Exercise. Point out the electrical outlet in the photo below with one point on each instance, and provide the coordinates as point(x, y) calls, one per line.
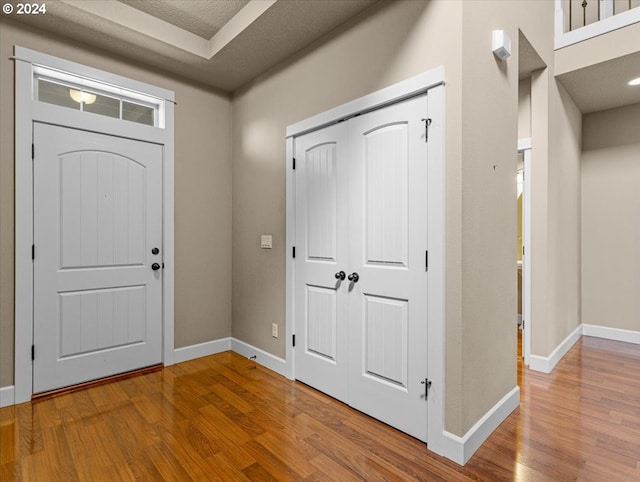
point(274, 330)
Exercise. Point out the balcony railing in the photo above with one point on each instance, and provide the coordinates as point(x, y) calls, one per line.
point(578, 20)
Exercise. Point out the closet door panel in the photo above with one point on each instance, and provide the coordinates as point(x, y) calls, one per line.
point(387, 244)
point(321, 252)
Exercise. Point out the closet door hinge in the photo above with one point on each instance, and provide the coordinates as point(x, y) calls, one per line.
point(33, 252)
point(294, 251)
point(427, 123)
point(294, 163)
point(427, 385)
point(426, 260)
point(33, 151)
point(294, 339)
point(33, 352)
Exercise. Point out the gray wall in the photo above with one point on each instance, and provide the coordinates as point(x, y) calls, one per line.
point(611, 218)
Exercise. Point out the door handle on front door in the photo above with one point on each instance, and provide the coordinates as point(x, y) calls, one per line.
point(341, 275)
point(354, 277)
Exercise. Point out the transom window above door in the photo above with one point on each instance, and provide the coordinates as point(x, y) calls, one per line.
point(85, 95)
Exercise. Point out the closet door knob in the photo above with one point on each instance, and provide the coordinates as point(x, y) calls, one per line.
point(354, 277)
point(341, 275)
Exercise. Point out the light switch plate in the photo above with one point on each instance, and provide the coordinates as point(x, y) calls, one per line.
point(266, 241)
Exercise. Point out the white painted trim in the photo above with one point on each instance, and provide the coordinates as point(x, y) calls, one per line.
point(460, 449)
point(389, 95)
point(23, 280)
point(618, 21)
point(44, 60)
point(138, 21)
point(616, 334)
point(28, 111)
point(289, 262)
point(262, 357)
point(201, 349)
point(7, 396)
point(432, 83)
point(524, 146)
point(168, 258)
point(547, 364)
point(436, 287)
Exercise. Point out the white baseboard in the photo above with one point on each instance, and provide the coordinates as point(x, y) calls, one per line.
point(616, 334)
point(546, 364)
point(202, 349)
point(460, 449)
point(267, 360)
point(7, 396)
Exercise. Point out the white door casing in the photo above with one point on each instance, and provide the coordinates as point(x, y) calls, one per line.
point(28, 110)
point(97, 216)
point(361, 187)
point(432, 81)
point(524, 146)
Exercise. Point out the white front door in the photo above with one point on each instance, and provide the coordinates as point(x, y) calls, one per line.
point(387, 250)
point(361, 208)
point(97, 273)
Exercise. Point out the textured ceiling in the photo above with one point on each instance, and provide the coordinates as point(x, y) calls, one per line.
point(227, 43)
point(176, 35)
point(200, 17)
point(604, 85)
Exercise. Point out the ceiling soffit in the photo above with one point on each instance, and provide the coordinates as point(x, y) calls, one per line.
point(201, 18)
point(244, 44)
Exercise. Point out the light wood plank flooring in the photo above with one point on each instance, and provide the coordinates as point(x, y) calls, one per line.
point(224, 418)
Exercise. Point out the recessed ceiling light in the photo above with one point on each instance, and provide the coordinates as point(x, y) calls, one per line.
point(635, 81)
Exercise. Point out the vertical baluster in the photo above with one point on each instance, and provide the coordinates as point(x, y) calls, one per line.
point(599, 9)
point(570, 15)
point(584, 13)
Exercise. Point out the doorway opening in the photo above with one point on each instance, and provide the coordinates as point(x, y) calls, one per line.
point(523, 265)
point(83, 111)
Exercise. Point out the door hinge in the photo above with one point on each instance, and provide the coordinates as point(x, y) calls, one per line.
point(294, 163)
point(523, 250)
point(427, 385)
point(294, 339)
point(426, 260)
point(294, 251)
point(33, 252)
point(33, 151)
point(33, 352)
point(427, 123)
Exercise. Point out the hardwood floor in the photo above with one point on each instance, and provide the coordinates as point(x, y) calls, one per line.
point(224, 418)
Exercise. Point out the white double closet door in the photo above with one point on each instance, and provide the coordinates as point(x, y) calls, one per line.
point(361, 209)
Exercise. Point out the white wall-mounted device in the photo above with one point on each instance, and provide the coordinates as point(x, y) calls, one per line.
point(501, 44)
